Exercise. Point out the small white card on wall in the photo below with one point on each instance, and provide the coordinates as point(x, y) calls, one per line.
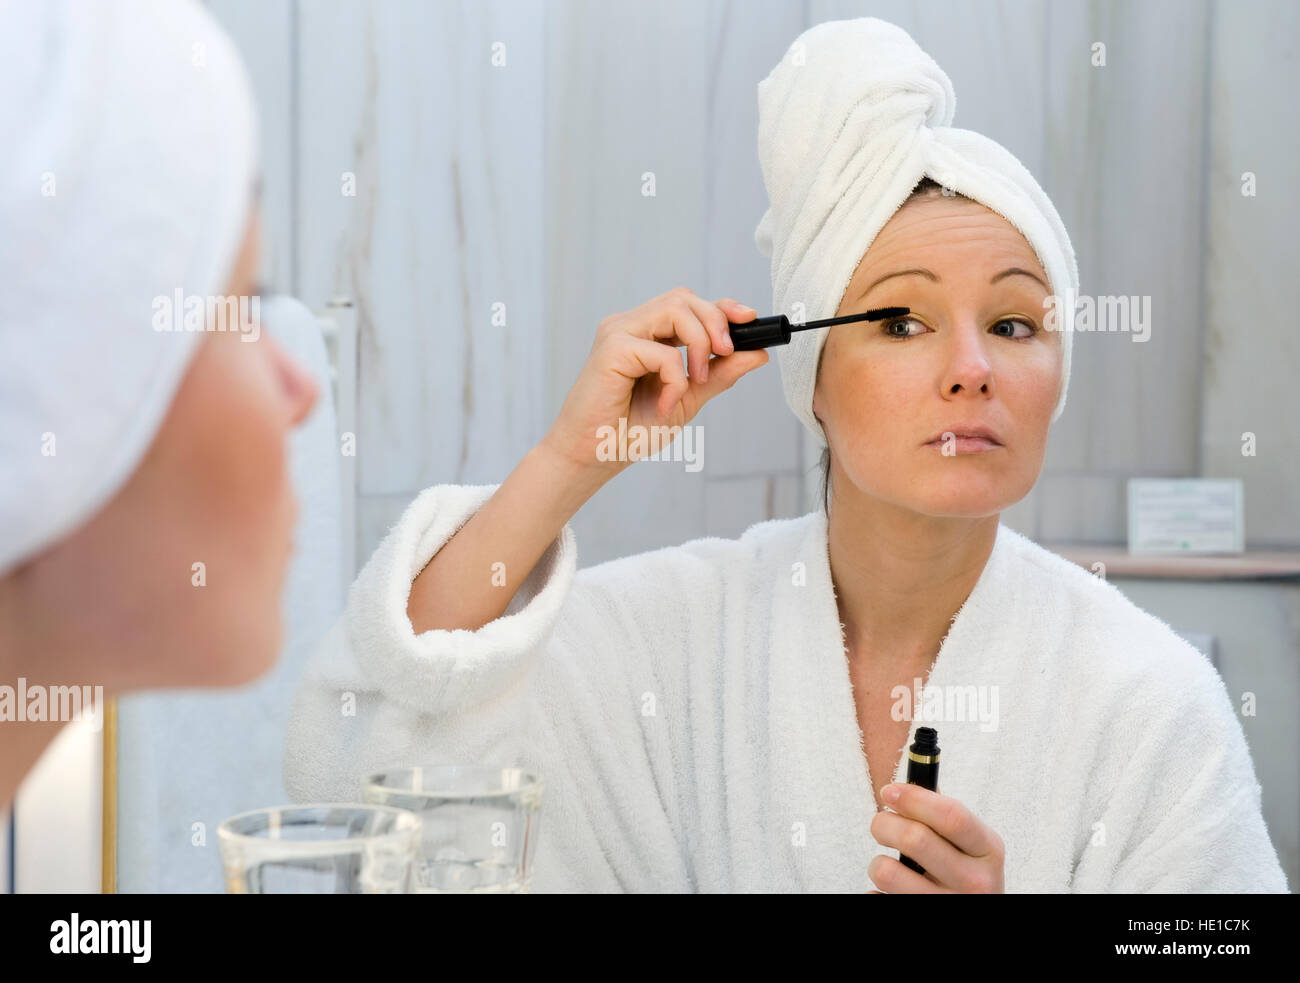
point(1185, 515)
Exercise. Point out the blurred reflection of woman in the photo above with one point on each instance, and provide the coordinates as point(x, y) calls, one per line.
point(132, 449)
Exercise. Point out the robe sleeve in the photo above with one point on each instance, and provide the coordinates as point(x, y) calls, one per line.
point(552, 685)
point(1187, 814)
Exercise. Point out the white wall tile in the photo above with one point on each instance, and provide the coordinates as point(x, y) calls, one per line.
point(1252, 348)
point(1082, 508)
point(446, 223)
point(264, 33)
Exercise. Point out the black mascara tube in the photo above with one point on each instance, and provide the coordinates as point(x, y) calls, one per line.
point(923, 770)
point(764, 332)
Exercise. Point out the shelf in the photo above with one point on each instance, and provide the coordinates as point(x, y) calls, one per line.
point(1251, 565)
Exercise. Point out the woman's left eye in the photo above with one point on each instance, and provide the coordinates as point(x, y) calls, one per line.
point(1030, 330)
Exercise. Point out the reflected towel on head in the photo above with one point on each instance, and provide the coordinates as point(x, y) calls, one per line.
point(128, 173)
point(850, 120)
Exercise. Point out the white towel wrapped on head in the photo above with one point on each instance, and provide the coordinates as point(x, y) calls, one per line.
point(850, 120)
point(128, 174)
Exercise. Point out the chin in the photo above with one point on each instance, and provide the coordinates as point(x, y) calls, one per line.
point(246, 660)
point(963, 496)
point(962, 509)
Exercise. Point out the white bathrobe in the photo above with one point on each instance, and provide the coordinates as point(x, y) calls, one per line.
point(691, 712)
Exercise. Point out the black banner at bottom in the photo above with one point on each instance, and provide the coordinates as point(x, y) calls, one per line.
point(212, 932)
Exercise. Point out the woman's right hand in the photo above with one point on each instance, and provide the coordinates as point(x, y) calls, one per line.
point(635, 371)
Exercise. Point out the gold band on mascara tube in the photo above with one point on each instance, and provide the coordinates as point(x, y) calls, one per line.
point(923, 759)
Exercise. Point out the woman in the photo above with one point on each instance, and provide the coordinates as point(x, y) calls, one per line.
point(725, 715)
point(146, 513)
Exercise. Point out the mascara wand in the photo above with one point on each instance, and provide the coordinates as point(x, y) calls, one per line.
point(764, 332)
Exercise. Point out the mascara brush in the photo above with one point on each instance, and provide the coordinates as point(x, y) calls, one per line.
point(763, 332)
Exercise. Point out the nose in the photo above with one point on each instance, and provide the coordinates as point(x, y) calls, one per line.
point(298, 385)
point(968, 367)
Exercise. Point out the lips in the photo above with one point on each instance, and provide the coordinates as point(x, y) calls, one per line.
point(959, 432)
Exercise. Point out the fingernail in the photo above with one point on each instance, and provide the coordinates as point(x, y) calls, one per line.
point(890, 793)
point(746, 307)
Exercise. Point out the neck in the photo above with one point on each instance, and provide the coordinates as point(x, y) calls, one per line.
point(900, 577)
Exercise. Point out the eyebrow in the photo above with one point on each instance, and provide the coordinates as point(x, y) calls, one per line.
point(930, 275)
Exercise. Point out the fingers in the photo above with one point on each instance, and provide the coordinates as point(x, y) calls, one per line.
point(725, 370)
point(687, 324)
point(680, 317)
point(737, 312)
point(715, 317)
point(958, 850)
point(672, 318)
point(942, 861)
point(636, 357)
point(890, 874)
point(949, 818)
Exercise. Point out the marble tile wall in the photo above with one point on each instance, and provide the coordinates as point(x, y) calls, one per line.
point(1251, 352)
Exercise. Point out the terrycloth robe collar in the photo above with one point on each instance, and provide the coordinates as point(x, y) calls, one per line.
point(823, 767)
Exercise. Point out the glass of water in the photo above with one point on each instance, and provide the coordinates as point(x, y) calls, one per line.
point(320, 849)
point(479, 824)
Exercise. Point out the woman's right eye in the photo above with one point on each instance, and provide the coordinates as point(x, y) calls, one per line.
point(889, 326)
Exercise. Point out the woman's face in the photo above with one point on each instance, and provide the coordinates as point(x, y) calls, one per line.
point(213, 489)
point(973, 352)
